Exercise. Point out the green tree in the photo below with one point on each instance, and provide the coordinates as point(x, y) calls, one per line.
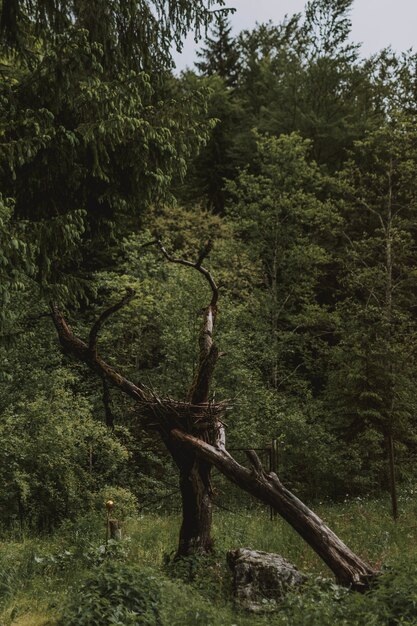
point(219, 69)
point(216, 162)
point(374, 363)
point(220, 55)
point(280, 215)
point(88, 141)
point(16, 258)
point(304, 75)
point(138, 35)
point(88, 137)
point(57, 453)
point(82, 155)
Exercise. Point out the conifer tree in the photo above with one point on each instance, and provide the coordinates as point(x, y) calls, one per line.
point(305, 75)
point(280, 214)
point(138, 34)
point(373, 366)
point(220, 55)
point(219, 65)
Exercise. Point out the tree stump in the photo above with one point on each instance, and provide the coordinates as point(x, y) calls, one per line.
point(115, 529)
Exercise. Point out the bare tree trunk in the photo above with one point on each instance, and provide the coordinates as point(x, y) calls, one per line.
point(389, 442)
point(196, 500)
point(195, 473)
point(196, 496)
point(389, 287)
point(193, 432)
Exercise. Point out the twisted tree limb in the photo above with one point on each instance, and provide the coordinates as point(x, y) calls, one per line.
point(87, 353)
point(166, 412)
point(92, 340)
point(197, 266)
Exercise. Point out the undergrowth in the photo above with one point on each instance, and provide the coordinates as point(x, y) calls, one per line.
point(75, 579)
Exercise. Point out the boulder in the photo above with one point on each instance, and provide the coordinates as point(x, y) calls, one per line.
point(261, 579)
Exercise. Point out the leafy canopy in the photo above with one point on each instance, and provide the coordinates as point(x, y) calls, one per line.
point(138, 33)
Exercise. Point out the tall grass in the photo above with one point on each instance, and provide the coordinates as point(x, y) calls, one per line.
point(40, 576)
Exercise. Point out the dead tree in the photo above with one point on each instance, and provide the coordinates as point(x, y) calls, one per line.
point(194, 433)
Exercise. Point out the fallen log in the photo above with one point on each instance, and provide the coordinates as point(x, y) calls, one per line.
point(348, 568)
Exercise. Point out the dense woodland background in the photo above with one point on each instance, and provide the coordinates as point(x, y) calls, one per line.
point(295, 156)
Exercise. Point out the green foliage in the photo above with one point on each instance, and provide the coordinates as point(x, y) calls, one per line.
point(372, 380)
point(304, 75)
point(44, 577)
point(126, 504)
point(217, 160)
point(392, 601)
point(328, 26)
point(45, 469)
point(115, 594)
point(220, 56)
point(83, 155)
point(205, 574)
point(279, 214)
point(314, 250)
point(16, 259)
point(137, 34)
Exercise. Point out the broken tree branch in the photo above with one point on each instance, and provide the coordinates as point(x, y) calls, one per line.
point(197, 266)
point(255, 461)
point(208, 355)
point(74, 346)
point(167, 412)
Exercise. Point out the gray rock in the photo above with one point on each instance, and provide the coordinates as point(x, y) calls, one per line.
point(261, 579)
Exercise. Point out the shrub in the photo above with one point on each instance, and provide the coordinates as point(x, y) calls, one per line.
point(125, 502)
point(115, 595)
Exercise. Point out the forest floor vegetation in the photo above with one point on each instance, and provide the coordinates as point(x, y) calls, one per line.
point(71, 579)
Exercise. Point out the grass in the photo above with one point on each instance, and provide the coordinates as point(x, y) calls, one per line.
point(38, 577)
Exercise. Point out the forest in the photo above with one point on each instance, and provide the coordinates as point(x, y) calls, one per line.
point(208, 295)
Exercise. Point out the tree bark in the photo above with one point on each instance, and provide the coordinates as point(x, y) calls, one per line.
point(195, 473)
point(196, 497)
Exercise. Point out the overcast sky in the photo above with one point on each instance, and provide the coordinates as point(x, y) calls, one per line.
point(375, 23)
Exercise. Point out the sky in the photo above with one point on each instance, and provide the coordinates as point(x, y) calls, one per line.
point(375, 23)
